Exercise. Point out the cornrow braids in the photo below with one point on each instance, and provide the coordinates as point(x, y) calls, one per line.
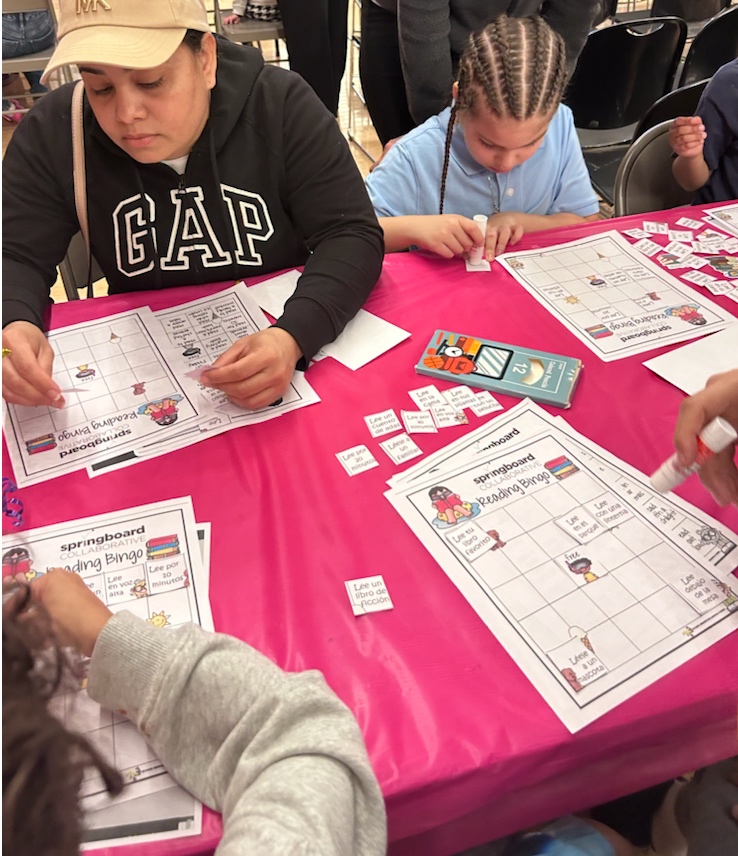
point(517, 66)
point(447, 153)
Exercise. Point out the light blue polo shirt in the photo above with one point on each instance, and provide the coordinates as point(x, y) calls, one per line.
point(552, 181)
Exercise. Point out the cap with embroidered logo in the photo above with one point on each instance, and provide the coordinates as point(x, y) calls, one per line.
point(126, 33)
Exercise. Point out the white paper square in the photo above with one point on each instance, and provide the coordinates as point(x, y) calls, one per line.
point(648, 247)
point(401, 448)
point(382, 423)
point(678, 235)
point(460, 397)
point(655, 228)
point(426, 397)
point(357, 459)
point(677, 249)
point(418, 421)
point(483, 265)
point(689, 223)
point(636, 233)
point(485, 403)
point(368, 594)
point(446, 416)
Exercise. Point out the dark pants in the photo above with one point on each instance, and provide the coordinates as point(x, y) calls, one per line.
point(381, 73)
point(316, 32)
point(27, 33)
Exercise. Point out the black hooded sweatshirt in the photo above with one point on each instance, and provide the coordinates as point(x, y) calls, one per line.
point(270, 184)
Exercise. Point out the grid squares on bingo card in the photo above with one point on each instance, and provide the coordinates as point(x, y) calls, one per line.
point(494, 568)
point(551, 581)
point(670, 609)
point(611, 645)
point(519, 597)
point(638, 578)
point(641, 626)
point(578, 610)
point(552, 538)
point(501, 521)
point(609, 595)
point(546, 628)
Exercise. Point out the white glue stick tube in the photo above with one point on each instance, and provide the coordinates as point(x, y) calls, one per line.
point(476, 256)
point(713, 438)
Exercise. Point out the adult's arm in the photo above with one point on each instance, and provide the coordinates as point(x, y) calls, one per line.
point(572, 20)
point(39, 218)
point(278, 754)
point(331, 211)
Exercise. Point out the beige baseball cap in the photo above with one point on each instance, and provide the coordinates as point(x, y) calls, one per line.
point(126, 33)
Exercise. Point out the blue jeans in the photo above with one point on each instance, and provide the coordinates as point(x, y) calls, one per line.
point(26, 33)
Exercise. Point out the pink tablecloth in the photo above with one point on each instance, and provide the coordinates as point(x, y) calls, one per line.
point(463, 745)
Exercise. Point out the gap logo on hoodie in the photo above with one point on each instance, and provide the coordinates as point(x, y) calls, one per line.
point(137, 239)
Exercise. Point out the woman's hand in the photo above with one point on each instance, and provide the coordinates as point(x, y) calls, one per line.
point(27, 362)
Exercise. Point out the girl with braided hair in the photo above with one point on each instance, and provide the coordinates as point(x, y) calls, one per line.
point(506, 148)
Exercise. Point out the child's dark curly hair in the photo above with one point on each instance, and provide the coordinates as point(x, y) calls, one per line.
point(43, 763)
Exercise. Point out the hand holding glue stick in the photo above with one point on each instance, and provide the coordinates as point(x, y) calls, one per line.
point(703, 445)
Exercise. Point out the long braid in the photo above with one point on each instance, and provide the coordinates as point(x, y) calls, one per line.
point(447, 153)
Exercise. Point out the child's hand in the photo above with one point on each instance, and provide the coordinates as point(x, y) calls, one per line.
point(231, 19)
point(77, 615)
point(448, 235)
point(502, 229)
point(687, 136)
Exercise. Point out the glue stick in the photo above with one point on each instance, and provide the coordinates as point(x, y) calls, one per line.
point(476, 256)
point(713, 438)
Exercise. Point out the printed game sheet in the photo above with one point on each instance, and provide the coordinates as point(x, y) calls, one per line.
point(146, 560)
point(595, 586)
point(131, 388)
point(613, 298)
point(126, 389)
point(201, 330)
point(724, 217)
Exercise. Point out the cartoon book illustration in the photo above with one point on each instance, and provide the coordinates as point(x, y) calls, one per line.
point(161, 548)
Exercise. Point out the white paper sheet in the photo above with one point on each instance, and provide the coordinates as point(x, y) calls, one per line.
point(612, 298)
point(690, 366)
point(724, 217)
point(364, 338)
point(589, 620)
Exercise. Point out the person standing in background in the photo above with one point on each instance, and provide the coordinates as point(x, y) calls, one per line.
point(410, 50)
point(316, 32)
point(27, 33)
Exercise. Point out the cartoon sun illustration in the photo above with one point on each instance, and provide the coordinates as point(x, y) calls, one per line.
point(159, 619)
point(571, 299)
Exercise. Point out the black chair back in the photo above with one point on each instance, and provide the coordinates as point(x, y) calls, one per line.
point(714, 45)
point(678, 102)
point(688, 10)
point(623, 70)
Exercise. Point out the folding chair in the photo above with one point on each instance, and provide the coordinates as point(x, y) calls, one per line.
point(603, 162)
point(73, 268)
point(621, 72)
point(247, 31)
point(714, 45)
point(644, 181)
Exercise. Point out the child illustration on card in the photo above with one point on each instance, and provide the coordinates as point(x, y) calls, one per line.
point(139, 589)
point(596, 281)
point(731, 598)
point(583, 567)
point(498, 543)
point(17, 560)
point(163, 412)
point(450, 507)
point(687, 312)
point(139, 388)
point(570, 676)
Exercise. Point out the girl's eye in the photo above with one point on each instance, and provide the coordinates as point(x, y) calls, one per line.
point(105, 90)
point(153, 84)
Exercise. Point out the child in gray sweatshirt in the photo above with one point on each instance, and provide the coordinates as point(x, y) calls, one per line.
point(278, 754)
